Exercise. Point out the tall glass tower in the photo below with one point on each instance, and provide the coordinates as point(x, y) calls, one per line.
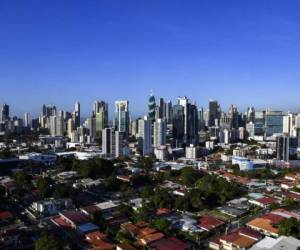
point(151, 107)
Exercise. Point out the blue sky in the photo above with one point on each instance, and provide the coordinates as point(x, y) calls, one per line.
point(59, 51)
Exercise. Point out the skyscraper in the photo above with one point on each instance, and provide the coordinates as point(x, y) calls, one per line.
point(26, 120)
point(76, 115)
point(159, 133)
point(151, 107)
point(178, 125)
point(214, 112)
point(169, 112)
point(113, 143)
point(60, 124)
point(70, 127)
point(145, 135)
point(283, 147)
point(190, 118)
point(121, 121)
point(100, 111)
point(273, 122)
point(4, 113)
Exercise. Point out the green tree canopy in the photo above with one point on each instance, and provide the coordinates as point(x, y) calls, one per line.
point(289, 227)
point(162, 224)
point(44, 186)
point(47, 242)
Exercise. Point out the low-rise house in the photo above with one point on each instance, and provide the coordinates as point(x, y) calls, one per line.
point(144, 234)
point(124, 246)
point(51, 207)
point(266, 224)
point(233, 212)
point(208, 223)
point(98, 241)
point(283, 242)
point(264, 202)
point(240, 239)
point(169, 244)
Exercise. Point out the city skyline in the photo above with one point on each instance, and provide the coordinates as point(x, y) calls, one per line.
point(87, 111)
point(101, 50)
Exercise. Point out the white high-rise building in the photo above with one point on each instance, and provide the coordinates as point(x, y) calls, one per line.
point(76, 115)
point(288, 124)
point(145, 135)
point(26, 120)
point(70, 127)
point(160, 131)
point(113, 143)
point(60, 124)
point(121, 121)
point(52, 125)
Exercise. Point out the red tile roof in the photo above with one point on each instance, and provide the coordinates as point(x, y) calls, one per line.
point(162, 211)
point(6, 215)
point(209, 223)
point(267, 200)
point(75, 217)
point(169, 244)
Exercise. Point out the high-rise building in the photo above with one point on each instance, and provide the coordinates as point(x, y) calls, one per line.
point(233, 114)
point(26, 120)
point(161, 109)
point(178, 125)
point(76, 115)
point(48, 111)
point(100, 111)
point(91, 126)
point(169, 112)
point(52, 125)
point(60, 124)
point(250, 115)
point(70, 127)
point(286, 147)
point(107, 141)
point(214, 112)
point(4, 113)
point(145, 135)
point(121, 121)
point(151, 107)
point(273, 122)
point(160, 130)
point(190, 118)
point(288, 124)
point(113, 143)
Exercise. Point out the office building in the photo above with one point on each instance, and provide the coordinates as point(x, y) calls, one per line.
point(4, 113)
point(151, 107)
point(213, 112)
point(26, 120)
point(100, 111)
point(160, 130)
point(273, 122)
point(286, 147)
point(76, 115)
point(121, 121)
point(145, 136)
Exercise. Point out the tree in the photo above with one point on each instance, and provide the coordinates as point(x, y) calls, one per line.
point(182, 203)
point(47, 242)
point(289, 227)
point(125, 210)
point(162, 224)
point(5, 153)
point(162, 199)
point(23, 181)
point(97, 218)
point(44, 186)
point(63, 191)
point(189, 176)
